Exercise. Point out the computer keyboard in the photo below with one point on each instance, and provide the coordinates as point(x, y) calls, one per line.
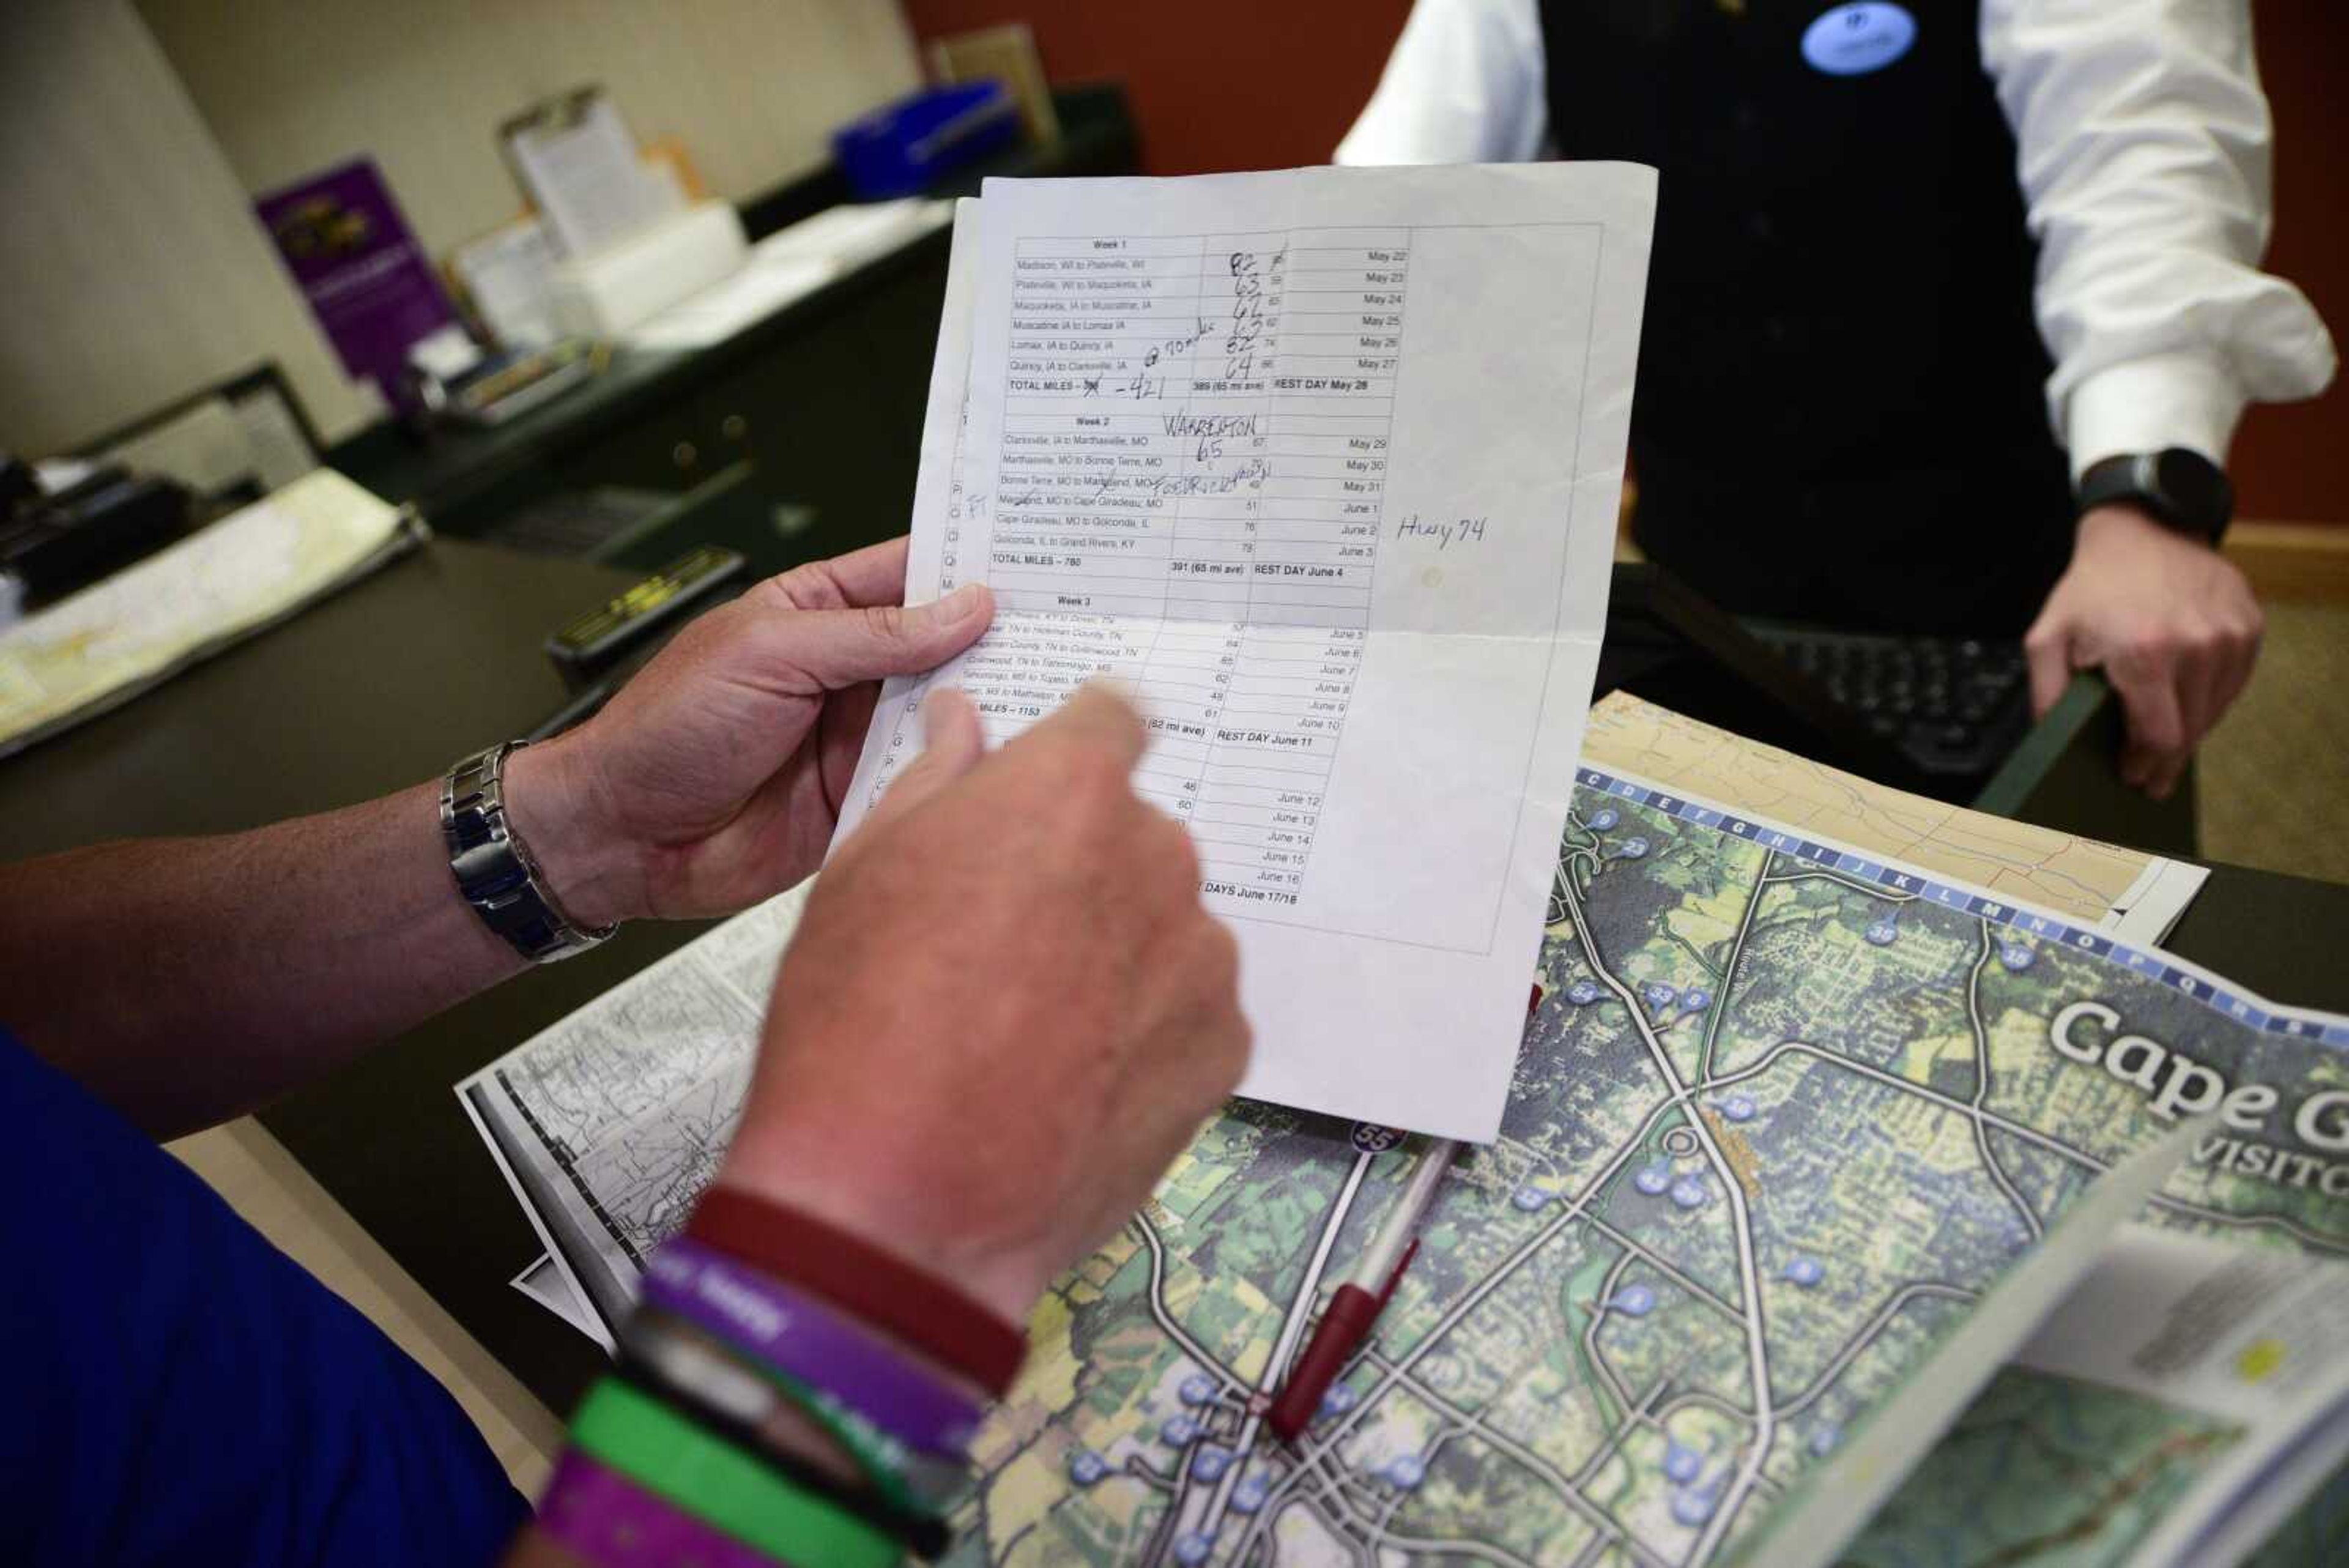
point(1954, 707)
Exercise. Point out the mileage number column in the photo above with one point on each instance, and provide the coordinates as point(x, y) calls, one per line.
point(1328, 359)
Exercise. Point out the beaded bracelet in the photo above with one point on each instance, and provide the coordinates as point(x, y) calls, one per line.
point(667, 1454)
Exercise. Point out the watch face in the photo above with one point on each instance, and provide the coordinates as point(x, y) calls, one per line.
point(2194, 488)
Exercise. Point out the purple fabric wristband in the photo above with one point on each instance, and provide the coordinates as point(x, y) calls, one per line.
point(610, 1520)
point(798, 1335)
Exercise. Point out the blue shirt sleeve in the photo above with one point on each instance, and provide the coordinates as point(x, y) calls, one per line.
point(177, 1390)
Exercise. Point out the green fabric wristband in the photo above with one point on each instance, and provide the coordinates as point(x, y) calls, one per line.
point(718, 1483)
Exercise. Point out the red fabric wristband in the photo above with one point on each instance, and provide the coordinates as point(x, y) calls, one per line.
point(886, 1293)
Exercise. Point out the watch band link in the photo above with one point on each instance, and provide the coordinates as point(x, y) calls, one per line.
point(495, 871)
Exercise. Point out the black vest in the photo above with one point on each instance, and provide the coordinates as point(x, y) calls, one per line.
point(1840, 413)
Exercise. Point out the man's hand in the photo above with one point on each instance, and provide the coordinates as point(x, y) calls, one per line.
point(1005, 1012)
point(2172, 623)
point(713, 779)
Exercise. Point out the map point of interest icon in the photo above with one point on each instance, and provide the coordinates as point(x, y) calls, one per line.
point(1086, 1467)
point(1882, 933)
point(1633, 1301)
point(1249, 1495)
point(1190, 1549)
point(1583, 992)
point(1652, 1179)
point(1631, 849)
point(1806, 1271)
point(1688, 1191)
point(1680, 1461)
point(1824, 1441)
point(1197, 1389)
point(1737, 1108)
point(1529, 1198)
point(1407, 1472)
point(1604, 818)
point(1338, 1400)
point(1659, 994)
point(1693, 1507)
point(2016, 957)
point(1696, 999)
point(1178, 1430)
point(1209, 1462)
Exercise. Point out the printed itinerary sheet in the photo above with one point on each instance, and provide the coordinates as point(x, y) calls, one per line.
point(1323, 468)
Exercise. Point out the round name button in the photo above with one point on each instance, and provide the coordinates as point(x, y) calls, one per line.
point(1852, 40)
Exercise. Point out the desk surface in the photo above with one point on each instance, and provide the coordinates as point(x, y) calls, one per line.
point(444, 647)
point(380, 686)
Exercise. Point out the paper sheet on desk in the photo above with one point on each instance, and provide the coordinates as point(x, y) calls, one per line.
point(111, 641)
point(1323, 466)
point(786, 265)
point(2127, 893)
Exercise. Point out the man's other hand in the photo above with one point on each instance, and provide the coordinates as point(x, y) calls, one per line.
point(2171, 622)
point(1005, 1012)
point(714, 778)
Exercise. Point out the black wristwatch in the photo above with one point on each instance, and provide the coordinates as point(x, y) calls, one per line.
point(2181, 488)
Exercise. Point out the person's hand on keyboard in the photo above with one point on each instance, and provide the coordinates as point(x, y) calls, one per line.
point(713, 779)
point(2171, 621)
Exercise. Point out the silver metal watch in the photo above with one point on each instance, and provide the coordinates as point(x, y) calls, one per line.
point(495, 871)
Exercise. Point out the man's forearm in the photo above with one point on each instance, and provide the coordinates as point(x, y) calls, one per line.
point(186, 981)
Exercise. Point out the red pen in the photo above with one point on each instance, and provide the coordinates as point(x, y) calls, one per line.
point(1355, 1305)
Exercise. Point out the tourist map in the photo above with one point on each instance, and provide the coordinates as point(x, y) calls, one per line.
point(1784, 1113)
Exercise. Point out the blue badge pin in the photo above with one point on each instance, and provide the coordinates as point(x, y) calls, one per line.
point(1853, 40)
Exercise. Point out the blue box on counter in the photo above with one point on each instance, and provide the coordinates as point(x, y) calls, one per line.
point(899, 149)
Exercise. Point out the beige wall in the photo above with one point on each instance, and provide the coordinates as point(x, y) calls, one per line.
point(751, 87)
point(131, 269)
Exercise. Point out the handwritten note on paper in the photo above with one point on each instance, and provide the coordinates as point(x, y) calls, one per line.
point(1322, 466)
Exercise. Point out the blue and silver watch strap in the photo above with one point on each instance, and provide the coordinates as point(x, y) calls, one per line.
point(493, 868)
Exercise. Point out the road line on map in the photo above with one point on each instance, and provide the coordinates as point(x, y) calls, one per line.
point(1982, 1086)
point(1590, 1335)
point(1300, 1308)
point(1858, 1344)
point(1757, 1348)
point(1174, 1331)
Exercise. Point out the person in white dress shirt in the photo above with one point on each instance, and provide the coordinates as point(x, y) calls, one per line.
point(1952, 310)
